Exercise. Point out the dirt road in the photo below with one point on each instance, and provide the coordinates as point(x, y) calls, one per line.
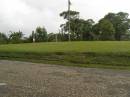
point(23, 79)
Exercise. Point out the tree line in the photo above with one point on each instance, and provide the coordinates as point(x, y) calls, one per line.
point(113, 26)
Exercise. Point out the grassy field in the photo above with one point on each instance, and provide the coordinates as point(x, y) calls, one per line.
point(79, 47)
point(96, 54)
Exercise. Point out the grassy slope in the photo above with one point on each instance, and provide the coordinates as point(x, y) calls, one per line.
point(87, 54)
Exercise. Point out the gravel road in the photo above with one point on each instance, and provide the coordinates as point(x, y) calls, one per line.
point(24, 79)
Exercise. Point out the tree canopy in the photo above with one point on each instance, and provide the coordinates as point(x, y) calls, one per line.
point(121, 23)
point(40, 34)
point(113, 26)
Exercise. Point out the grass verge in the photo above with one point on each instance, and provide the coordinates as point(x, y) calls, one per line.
point(89, 60)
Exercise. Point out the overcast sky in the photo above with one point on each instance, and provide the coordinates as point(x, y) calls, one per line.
point(26, 15)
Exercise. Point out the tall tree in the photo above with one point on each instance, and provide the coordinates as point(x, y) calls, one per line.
point(86, 29)
point(16, 37)
point(106, 30)
point(80, 29)
point(40, 34)
point(121, 23)
point(69, 16)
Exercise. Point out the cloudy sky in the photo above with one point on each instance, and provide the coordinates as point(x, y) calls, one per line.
point(26, 15)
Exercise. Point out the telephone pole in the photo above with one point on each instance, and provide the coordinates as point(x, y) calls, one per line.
point(69, 30)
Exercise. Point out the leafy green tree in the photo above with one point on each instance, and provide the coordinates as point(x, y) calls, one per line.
point(40, 34)
point(121, 23)
point(80, 29)
point(71, 16)
point(96, 32)
point(106, 30)
point(16, 37)
point(3, 38)
point(86, 29)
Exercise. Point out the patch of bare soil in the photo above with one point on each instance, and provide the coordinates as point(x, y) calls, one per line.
point(25, 79)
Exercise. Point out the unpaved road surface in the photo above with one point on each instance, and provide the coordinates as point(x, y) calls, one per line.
point(25, 79)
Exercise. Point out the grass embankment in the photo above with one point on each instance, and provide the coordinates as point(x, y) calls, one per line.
point(115, 55)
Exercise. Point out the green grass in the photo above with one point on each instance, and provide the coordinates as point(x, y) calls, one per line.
point(101, 47)
point(95, 54)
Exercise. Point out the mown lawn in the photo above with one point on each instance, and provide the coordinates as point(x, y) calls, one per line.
point(95, 54)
